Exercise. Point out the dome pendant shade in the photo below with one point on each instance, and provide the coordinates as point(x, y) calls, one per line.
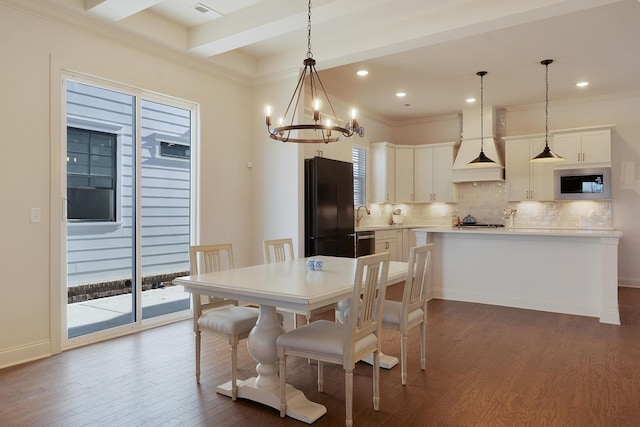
point(547, 156)
point(482, 161)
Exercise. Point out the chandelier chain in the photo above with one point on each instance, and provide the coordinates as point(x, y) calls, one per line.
point(309, 54)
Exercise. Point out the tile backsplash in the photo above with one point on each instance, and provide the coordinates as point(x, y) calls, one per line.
point(486, 201)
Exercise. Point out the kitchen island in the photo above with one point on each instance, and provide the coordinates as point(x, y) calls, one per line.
point(562, 271)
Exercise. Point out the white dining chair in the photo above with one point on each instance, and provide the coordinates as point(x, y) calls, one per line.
point(344, 343)
point(279, 250)
point(412, 311)
point(219, 316)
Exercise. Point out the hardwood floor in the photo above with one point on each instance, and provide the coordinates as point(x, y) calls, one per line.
point(486, 366)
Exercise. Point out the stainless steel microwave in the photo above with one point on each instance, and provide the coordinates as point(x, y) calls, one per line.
point(582, 184)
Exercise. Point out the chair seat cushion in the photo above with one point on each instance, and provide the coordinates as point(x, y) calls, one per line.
point(323, 337)
point(231, 321)
point(393, 312)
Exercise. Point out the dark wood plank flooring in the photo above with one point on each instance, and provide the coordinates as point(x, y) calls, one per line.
point(486, 366)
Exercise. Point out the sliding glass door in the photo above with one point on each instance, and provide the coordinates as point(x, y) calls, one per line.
point(128, 197)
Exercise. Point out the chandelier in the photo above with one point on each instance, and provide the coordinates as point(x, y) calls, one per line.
point(325, 129)
point(482, 160)
point(547, 156)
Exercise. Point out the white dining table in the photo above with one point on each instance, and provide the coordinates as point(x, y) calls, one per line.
point(289, 285)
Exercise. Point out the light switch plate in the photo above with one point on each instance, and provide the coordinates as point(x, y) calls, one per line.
point(36, 215)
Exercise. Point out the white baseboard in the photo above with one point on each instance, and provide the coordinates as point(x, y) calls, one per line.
point(25, 353)
point(628, 282)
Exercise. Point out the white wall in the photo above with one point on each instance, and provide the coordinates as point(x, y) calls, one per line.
point(31, 45)
point(428, 131)
point(277, 176)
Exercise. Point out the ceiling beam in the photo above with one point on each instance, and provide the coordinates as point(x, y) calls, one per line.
point(115, 10)
point(266, 20)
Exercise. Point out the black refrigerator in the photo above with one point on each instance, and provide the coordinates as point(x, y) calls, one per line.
point(328, 216)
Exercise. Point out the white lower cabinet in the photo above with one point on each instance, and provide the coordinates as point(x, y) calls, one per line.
point(390, 241)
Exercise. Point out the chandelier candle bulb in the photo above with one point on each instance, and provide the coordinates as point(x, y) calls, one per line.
point(267, 112)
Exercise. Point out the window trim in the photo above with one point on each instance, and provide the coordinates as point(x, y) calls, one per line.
point(106, 127)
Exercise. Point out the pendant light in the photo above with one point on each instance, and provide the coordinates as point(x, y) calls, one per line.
point(547, 156)
point(482, 161)
point(327, 130)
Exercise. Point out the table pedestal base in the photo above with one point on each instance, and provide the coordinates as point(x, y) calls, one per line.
point(298, 406)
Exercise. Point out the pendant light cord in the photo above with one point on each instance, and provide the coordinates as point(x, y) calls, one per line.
point(546, 106)
point(482, 112)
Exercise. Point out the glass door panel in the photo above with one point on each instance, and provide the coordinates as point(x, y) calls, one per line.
point(165, 206)
point(100, 171)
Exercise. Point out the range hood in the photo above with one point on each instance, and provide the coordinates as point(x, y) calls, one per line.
point(470, 148)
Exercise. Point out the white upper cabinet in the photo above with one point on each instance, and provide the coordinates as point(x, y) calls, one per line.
point(433, 173)
point(404, 174)
point(412, 173)
point(383, 170)
point(584, 148)
point(527, 180)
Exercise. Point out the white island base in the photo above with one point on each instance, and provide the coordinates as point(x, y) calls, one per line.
point(561, 271)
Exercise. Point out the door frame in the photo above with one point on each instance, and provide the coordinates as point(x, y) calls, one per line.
point(60, 72)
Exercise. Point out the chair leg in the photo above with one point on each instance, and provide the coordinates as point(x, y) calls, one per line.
point(320, 376)
point(283, 384)
point(348, 394)
point(198, 339)
point(234, 371)
point(403, 359)
point(423, 347)
point(376, 380)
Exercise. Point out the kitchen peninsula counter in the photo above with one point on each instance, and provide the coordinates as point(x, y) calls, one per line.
point(558, 270)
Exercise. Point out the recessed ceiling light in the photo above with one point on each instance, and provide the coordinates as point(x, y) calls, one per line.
point(470, 100)
point(401, 94)
point(582, 84)
point(362, 73)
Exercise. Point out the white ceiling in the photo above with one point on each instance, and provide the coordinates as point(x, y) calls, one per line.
point(430, 49)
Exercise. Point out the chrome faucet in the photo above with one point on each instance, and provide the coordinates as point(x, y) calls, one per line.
point(358, 216)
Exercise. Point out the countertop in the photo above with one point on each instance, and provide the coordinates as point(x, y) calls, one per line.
point(523, 231)
point(498, 230)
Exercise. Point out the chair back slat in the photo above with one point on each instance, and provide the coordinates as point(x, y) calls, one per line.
point(367, 298)
point(416, 282)
point(278, 250)
point(209, 259)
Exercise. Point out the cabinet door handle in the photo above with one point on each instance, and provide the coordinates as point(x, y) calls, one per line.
point(578, 156)
point(386, 245)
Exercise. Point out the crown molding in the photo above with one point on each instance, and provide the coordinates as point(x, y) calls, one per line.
point(76, 21)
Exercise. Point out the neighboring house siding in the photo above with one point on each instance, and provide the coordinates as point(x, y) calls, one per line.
point(99, 252)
